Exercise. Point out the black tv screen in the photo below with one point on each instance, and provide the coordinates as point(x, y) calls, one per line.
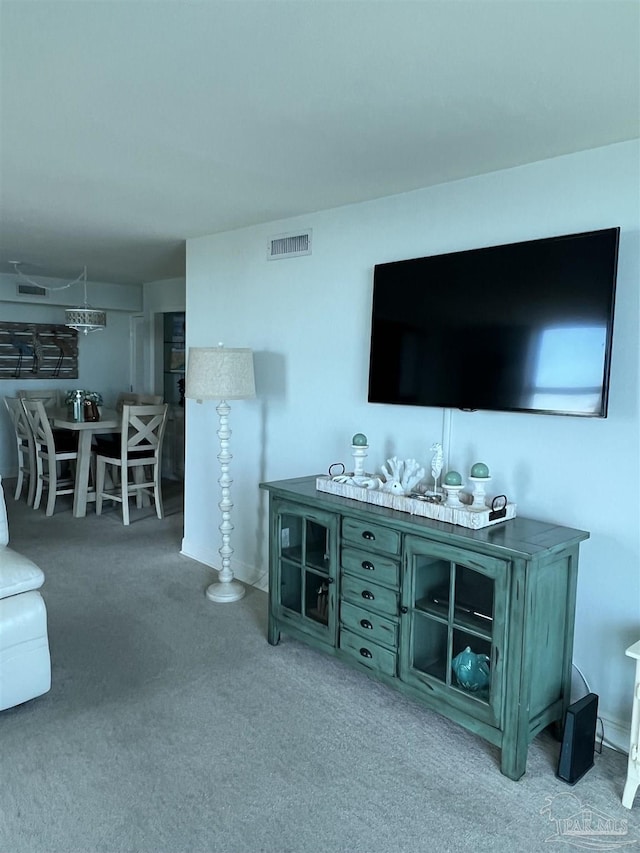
point(523, 327)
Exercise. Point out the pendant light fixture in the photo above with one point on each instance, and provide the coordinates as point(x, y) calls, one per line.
point(83, 318)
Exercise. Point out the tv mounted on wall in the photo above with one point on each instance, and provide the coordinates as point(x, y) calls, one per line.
point(522, 327)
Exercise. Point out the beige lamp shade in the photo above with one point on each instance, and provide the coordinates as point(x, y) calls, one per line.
point(220, 373)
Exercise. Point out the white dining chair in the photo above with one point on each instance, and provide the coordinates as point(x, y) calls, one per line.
point(25, 447)
point(138, 460)
point(149, 399)
point(50, 453)
point(108, 444)
point(51, 397)
point(129, 398)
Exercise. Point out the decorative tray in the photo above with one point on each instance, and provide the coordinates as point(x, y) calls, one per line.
point(463, 516)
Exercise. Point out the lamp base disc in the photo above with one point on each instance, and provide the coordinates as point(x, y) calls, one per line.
point(224, 592)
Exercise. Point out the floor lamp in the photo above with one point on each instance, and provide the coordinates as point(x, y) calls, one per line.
point(222, 373)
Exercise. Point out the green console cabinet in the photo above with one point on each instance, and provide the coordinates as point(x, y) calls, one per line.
point(411, 601)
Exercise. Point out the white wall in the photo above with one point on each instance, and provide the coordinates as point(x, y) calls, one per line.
point(165, 295)
point(103, 357)
point(308, 321)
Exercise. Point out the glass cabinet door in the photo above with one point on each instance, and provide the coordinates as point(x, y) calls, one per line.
point(305, 589)
point(174, 357)
point(453, 630)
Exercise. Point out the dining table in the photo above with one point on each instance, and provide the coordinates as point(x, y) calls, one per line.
point(110, 421)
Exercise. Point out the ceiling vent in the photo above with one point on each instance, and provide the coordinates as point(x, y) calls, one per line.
point(26, 289)
point(289, 245)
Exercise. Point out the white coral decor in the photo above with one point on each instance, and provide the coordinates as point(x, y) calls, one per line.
point(401, 476)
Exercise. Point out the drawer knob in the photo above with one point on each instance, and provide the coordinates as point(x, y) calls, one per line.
point(404, 609)
point(368, 595)
point(368, 566)
point(369, 535)
point(366, 653)
point(366, 624)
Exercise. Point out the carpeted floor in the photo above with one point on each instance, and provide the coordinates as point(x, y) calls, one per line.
point(173, 726)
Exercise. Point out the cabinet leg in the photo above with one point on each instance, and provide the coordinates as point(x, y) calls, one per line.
point(273, 632)
point(630, 788)
point(513, 762)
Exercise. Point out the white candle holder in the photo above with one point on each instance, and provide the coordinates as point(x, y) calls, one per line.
point(453, 497)
point(479, 484)
point(359, 453)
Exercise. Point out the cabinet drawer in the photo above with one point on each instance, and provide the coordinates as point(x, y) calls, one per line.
point(373, 628)
point(370, 596)
point(371, 566)
point(367, 653)
point(372, 535)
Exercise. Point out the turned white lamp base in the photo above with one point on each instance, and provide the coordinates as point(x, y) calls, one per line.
point(224, 592)
point(226, 589)
point(222, 373)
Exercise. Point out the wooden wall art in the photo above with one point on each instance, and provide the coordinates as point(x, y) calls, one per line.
point(38, 351)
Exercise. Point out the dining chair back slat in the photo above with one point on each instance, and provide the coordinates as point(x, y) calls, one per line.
point(51, 397)
point(25, 447)
point(149, 399)
point(128, 398)
point(138, 460)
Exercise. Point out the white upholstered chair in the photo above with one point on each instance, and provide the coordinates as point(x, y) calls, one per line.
point(25, 447)
point(25, 661)
point(137, 460)
point(50, 452)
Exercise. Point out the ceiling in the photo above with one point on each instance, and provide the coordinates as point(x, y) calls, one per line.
point(128, 126)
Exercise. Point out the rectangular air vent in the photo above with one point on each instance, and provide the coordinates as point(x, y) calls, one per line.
point(289, 245)
point(25, 289)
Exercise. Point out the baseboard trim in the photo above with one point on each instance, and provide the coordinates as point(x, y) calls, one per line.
point(241, 571)
point(617, 735)
point(203, 555)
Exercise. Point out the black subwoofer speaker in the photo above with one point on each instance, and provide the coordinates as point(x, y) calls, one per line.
point(578, 739)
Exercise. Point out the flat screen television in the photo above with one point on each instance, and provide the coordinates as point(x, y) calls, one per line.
point(523, 327)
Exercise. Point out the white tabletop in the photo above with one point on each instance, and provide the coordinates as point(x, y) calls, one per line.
point(110, 421)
